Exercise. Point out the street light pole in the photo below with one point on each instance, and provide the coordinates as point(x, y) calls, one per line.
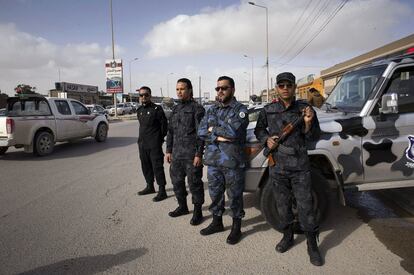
point(130, 77)
point(113, 53)
point(252, 58)
point(168, 84)
point(267, 45)
point(248, 81)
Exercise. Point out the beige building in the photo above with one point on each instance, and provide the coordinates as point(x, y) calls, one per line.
point(332, 75)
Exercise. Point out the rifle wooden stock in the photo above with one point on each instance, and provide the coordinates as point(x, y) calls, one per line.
point(286, 131)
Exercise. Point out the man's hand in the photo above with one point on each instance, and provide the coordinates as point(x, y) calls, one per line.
point(308, 114)
point(307, 118)
point(197, 161)
point(271, 142)
point(168, 157)
point(223, 139)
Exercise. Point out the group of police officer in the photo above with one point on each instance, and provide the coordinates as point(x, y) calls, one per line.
point(220, 135)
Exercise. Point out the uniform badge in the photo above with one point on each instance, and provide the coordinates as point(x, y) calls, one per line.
point(409, 153)
point(148, 113)
point(242, 115)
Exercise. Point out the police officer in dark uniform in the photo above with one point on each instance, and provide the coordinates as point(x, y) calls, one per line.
point(152, 130)
point(185, 151)
point(291, 174)
point(223, 129)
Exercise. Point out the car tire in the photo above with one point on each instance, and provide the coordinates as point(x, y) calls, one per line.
point(3, 150)
point(319, 195)
point(43, 143)
point(101, 132)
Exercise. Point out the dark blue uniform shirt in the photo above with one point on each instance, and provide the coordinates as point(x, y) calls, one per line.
point(229, 122)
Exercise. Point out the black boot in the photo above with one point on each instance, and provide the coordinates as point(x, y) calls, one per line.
point(147, 190)
point(235, 234)
point(287, 240)
point(162, 195)
point(313, 251)
point(197, 215)
point(182, 209)
point(215, 226)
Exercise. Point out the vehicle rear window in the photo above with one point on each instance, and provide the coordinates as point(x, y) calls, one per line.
point(28, 107)
point(63, 107)
point(79, 108)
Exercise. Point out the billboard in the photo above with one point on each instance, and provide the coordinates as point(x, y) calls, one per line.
point(113, 71)
point(75, 88)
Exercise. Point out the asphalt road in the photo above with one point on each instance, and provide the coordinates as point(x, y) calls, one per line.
point(77, 212)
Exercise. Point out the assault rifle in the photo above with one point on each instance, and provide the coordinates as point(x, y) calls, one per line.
point(286, 131)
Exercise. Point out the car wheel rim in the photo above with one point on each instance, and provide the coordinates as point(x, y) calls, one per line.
point(102, 131)
point(44, 144)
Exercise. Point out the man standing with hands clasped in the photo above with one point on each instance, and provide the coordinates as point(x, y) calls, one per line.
point(291, 173)
point(152, 130)
point(185, 150)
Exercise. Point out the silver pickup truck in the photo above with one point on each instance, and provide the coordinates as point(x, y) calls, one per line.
point(35, 123)
point(367, 140)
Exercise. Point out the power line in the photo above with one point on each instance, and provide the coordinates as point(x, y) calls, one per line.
point(296, 36)
point(329, 19)
point(292, 31)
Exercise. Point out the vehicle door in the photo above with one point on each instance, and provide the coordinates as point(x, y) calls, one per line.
point(388, 152)
point(65, 120)
point(84, 124)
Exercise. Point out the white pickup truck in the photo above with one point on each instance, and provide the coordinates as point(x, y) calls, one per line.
point(35, 123)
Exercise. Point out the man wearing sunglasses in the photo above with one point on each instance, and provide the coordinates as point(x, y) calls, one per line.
point(223, 129)
point(152, 130)
point(185, 150)
point(291, 173)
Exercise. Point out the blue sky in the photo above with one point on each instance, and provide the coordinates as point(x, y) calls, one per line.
point(183, 38)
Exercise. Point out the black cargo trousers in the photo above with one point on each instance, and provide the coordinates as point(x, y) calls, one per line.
point(182, 168)
point(152, 164)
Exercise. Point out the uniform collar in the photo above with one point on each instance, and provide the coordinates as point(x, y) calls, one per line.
point(281, 105)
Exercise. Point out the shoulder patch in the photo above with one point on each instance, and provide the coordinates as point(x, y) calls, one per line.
point(242, 114)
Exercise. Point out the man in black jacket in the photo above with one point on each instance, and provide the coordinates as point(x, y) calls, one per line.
point(185, 151)
point(152, 130)
point(291, 174)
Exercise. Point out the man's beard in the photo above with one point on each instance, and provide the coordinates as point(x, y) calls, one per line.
point(225, 99)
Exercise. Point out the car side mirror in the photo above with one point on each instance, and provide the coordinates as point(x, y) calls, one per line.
point(389, 104)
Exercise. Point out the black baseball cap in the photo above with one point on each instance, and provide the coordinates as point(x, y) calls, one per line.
point(286, 76)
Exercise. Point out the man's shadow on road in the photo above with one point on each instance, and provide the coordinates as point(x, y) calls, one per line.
point(89, 264)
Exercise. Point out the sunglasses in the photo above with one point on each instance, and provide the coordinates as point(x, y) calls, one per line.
point(144, 95)
point(285, 86)
point(223, 88)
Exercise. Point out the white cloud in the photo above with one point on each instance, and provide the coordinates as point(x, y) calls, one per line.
point(36, 61)
point(360, 26)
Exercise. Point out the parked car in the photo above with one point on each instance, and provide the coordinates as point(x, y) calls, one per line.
point(35, 123)
point(367, 140)
point(122, 109)
point(97, 109)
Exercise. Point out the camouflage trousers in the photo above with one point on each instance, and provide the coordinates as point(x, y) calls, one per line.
point(221, 179)
point(179, 169)
point(294, 184)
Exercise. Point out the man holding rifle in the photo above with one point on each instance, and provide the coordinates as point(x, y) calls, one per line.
point(284, 127)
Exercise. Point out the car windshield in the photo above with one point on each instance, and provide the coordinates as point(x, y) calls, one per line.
point(353, 90)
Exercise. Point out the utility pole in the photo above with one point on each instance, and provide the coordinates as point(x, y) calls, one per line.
point(199, 88)
point(113, 54)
